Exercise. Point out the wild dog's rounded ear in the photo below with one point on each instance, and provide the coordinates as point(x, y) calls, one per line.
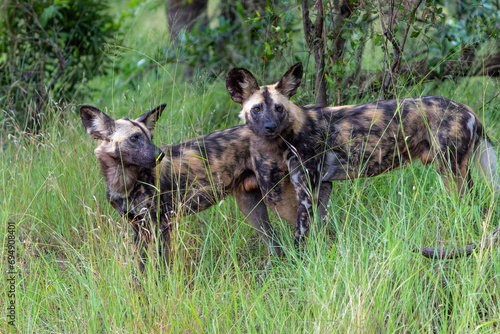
point(241, 84)
point(290, 81)
point(98, 124)
point(151, 117)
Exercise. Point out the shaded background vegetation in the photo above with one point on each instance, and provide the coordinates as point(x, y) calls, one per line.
point(370, 49)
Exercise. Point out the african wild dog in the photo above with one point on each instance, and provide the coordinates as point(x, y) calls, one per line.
point(148, 185)
point(322, 144)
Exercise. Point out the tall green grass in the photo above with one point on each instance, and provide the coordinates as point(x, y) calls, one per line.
point(74, 254)
point(77, 272)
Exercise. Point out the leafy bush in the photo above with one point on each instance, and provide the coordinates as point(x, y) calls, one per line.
point(241, 36)
point(47, 50)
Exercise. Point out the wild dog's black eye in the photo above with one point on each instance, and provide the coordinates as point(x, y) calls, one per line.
point(134, 138)
point(279, 109)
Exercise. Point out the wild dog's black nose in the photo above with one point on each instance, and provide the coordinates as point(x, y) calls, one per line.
point(270, 126)
point(159, 155)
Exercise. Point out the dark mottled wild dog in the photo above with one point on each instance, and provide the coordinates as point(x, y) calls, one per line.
point(322, 144)
point(149, 185)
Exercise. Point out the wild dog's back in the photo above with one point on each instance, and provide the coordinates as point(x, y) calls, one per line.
point(198, 173)
point(364, 140)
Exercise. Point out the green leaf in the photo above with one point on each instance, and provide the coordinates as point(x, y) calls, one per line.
point(133, 3)
point(415, 34)
point(47, 14)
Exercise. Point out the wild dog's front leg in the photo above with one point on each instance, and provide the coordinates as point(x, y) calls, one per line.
point(127, 212)
point(140, 243)
point(251, 205)
point(306, 179)
point(151, 236)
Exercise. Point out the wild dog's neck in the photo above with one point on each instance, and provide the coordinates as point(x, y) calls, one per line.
point(288, 133)
point(121, 180)
point(298, 116)
point(276, 145)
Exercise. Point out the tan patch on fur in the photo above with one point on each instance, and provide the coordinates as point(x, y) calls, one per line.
point(256, 98)
point(118, 183)
point(295, 113)
point(374, 116)
point(124, 129)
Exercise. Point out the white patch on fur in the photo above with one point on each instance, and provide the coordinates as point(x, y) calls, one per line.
point(470, 124)
point(98, 126)
point(488, 164)
point(303, 230)
point(289, 84)
point(306, 204)
point(245, 84)
point(256, 98)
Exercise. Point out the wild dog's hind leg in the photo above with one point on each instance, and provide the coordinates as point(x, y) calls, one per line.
point(252, 206)
point(325, 191)
point(453, 163)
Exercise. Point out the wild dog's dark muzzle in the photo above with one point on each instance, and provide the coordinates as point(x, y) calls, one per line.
point(270, 126)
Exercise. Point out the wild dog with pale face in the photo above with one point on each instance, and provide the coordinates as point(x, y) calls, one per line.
point(322, 144)
point(148, 185)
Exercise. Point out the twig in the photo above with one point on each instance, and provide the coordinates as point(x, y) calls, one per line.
point(397, 49)
point(313, 36)
point(303, 84)
point(306, 89)
point(405, 35)
point(494, 97)
point(57, 50)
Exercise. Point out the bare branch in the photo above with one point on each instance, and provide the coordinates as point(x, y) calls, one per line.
point(57, 49)
point(303, 84)
point(397, 49)
point(408, 25)
point(314, 38)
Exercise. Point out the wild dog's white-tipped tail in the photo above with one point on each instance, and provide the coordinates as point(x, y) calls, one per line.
point(488, 164)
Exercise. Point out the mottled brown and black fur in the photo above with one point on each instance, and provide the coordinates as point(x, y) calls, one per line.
point(322, 144)
point(149, 185)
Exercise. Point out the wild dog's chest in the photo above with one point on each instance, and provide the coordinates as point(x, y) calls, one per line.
point(269, 164)
point(139, 203)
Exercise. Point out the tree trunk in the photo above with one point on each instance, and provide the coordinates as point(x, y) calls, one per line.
point(182, 14)
point(340, 10)
point(314, 39)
